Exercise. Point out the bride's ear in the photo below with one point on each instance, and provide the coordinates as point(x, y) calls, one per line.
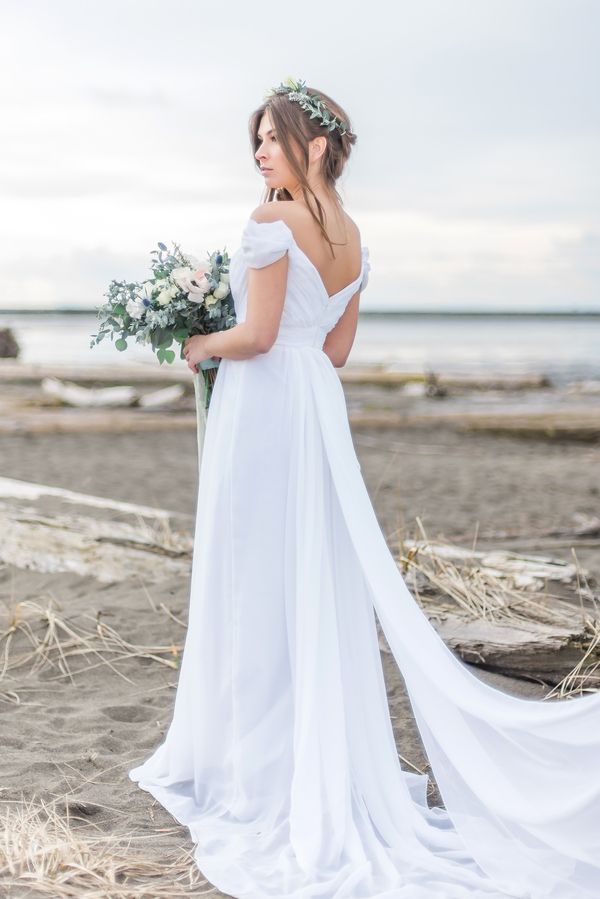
point(317, 147)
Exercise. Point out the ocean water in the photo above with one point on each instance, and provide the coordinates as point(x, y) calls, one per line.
point(563, 347)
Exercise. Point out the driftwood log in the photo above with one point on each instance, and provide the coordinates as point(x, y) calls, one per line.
point(136, 373)
point(492, 608)
point(71, 394)
point(527, 649)
point(148, 415)
point(51, 530)
point(381, 377)
point(525, 615)
point(572, 424)
point(128, 384)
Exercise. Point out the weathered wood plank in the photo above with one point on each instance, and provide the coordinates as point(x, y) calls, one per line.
point(529, 649)
point(94, 421)
point(353, 373)
point(50, 529)
point(28, 372)
point(356, 374)
point(14, 489)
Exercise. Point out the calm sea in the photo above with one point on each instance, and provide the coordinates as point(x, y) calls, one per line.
point(565, 347)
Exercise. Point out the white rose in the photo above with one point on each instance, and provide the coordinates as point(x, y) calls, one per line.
point(166, 295)
point(199, 288)
point(193, 282)
point(135, 307)
point(197, 291)
point(225, 277)
point(196, 296)
point(221, 291)
point(182, 276)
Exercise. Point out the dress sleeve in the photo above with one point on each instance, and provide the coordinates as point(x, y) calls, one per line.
point(264, 242)
point(366, 268)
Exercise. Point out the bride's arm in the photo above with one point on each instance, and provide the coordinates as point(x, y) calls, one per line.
point(239, 342)
point(266, 294)
point(340, 339)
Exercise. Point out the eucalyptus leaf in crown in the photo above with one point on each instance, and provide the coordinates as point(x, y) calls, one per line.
point(312, 103)
point(183, 298)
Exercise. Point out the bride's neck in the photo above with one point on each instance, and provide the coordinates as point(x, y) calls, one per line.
point(326, 198)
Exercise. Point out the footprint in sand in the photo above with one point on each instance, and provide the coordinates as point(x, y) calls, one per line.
point(127, 713)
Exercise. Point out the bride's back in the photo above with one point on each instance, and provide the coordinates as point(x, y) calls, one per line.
point(343, 232)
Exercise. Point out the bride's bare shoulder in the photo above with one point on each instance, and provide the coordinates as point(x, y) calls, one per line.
point(276, 211)
point(296, 216)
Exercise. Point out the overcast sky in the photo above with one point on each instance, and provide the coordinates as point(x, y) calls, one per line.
point(475, 178)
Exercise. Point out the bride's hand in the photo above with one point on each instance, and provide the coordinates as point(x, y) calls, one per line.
point(194, 350)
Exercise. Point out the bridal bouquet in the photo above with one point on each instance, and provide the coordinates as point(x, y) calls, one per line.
point(182, 298)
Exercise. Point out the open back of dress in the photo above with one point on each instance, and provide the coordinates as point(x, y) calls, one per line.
point(280, 757)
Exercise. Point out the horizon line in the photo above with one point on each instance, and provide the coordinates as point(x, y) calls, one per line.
point(413, 312)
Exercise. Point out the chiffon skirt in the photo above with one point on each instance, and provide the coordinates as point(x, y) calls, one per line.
point(280, 757)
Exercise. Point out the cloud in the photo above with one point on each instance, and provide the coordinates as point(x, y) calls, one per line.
point(122, 96)
point(474, 178)
point(75, 279)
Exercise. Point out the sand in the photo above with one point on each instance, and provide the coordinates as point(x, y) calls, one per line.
point(75, 740)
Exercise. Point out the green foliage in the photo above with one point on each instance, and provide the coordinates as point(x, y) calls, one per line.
point(165, 355)
point(297, 92)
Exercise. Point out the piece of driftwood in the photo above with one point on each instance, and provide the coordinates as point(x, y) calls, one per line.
point(14, 489)
point(94, 421)
point(106, 550)
point(521, 648)
point(16, 419)
point(75, 395)
point(137, 373)
point(354, 374)
point(133, 373)
point(132, 419)
point(577, 424)
point(573, 424)
point(495, 608)
point(51, 530)
point(165, 397)
point(72, 394)
point(531, 571)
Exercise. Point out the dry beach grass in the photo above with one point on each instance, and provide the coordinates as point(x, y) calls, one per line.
point(50, 850)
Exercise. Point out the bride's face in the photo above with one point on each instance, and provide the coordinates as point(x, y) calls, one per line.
point(274, 166)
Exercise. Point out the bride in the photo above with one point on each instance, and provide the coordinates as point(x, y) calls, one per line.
point(280, 756)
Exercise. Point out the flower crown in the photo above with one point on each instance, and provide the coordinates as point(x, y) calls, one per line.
point(296, 91)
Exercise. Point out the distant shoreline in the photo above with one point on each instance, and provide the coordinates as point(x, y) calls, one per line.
point(381, 313)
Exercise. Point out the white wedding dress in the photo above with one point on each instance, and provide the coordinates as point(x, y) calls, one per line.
point(280, 756)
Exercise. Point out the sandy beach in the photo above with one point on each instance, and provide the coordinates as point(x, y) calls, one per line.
point(71, 739)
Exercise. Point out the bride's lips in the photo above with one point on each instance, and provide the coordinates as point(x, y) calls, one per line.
point(265, 171)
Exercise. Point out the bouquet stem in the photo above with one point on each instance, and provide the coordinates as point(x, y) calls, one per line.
point(204, 379)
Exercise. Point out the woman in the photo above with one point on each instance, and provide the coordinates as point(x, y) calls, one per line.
point(280, 757)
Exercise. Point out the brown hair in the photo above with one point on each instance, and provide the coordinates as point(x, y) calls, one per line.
point(295, 129)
